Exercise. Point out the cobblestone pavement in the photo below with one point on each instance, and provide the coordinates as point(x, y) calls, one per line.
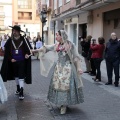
point(101, 102)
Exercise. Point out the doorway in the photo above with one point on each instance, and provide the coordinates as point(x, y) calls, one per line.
point(82, 31)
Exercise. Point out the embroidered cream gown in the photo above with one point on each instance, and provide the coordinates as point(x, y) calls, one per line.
point(64, 86)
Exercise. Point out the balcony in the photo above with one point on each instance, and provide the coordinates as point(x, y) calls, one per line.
point(2, 15)
point(2, 28)
point(93, 4)
point(25, 15)
point(25, 18)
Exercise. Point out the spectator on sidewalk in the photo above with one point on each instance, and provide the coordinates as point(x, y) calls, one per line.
point(97, 56)
point(66, 85)
point(85, 43)
point(93, 68)
point(112, 57)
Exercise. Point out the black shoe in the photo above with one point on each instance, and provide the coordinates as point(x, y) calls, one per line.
point(94, 79)
point(18, 90)
point(108, 83)
point(92, 74)
point(97, 80)
point(21, 96)
point(86, 72)
point(116, 84)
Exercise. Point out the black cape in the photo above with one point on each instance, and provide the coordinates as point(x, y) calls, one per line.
point(7, 68)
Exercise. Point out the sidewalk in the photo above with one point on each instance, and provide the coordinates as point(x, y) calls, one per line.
point(34, 106)
point(103, 70)
point(110, 88)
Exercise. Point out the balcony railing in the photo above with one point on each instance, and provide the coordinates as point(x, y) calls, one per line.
point(2, 14)
point(25, 6)
point(25, 18)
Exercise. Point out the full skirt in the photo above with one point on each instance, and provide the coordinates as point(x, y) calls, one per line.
point(70, 97)
point(3, 91)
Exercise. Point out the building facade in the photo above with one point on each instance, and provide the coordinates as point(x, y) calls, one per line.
point(85, 17)
point(26, 15)
point(5, 16)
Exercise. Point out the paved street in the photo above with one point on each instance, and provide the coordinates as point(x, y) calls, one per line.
point(101, 102)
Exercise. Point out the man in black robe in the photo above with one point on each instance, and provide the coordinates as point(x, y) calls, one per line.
point(17, 61)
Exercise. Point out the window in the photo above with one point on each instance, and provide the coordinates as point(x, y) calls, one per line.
point(60, 3)
point(67, 1)
point(25, 4)
point(55, 4)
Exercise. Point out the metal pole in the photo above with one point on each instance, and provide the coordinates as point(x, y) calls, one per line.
point(54, 31)
point(42, 34)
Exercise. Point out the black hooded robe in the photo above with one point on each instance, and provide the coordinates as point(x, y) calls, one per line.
point(7, 68)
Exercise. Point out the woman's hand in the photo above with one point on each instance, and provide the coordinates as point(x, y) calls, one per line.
point(80, 71)
point(13, 60)
point(37, 50)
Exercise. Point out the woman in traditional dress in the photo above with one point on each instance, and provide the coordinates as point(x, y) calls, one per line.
point(66, 84)
point(3, 91)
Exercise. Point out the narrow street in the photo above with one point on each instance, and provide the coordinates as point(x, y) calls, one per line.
point(101, 102)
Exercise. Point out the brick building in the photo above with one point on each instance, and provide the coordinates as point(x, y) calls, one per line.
point(84, 17)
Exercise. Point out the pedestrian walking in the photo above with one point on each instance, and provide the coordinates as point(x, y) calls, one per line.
point(38, 44)
point(97, 55)
point(66, 84)
point(31, 41)
point(17, 62)
point(4, 40)
point(112, 57)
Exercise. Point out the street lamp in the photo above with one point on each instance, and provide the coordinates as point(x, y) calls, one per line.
point(43, 16)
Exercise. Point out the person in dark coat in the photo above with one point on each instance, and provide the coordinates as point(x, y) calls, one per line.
point(85, 50)
point(112, 57)
point(17, 61)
